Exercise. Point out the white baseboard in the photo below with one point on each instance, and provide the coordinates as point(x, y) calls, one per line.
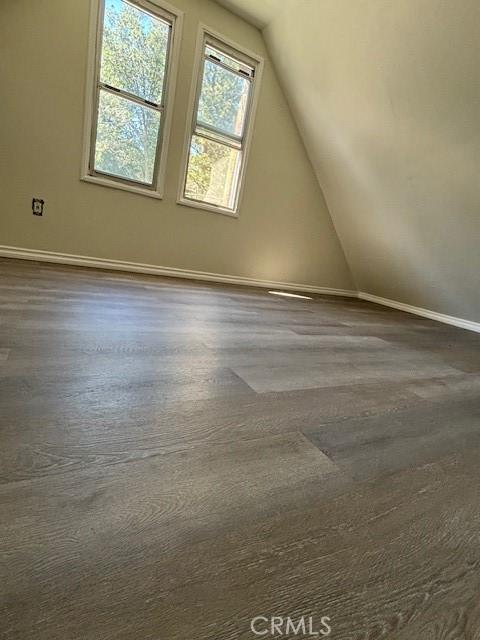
point(418, 311)
point(138, 267)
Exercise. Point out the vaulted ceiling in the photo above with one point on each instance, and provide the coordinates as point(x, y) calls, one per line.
point(387, 98)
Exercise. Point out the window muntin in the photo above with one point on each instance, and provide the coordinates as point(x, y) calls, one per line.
point(135, 42)
point(216, 150)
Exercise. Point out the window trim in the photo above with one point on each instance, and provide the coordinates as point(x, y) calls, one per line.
point(204, 34)
point(92, 91)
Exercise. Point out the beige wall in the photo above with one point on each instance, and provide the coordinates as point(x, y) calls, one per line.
point(387, 96)
point(284, 231)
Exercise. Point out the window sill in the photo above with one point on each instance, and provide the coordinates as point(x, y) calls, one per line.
point(104, 182)
point(207, 207)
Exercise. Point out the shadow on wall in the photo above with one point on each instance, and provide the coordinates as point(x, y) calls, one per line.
point(390, 118)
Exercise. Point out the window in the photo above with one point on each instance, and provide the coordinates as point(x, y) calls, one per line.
point(131, 94)
point(221, 124)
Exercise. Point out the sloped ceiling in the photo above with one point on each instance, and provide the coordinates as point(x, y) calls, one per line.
point(257, 12)
point(387, 98)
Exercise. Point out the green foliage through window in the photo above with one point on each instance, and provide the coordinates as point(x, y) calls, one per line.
point(215, 153)
point(134, 56)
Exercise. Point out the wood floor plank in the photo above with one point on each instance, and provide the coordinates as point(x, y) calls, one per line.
point(264, 378)
point(415, 436)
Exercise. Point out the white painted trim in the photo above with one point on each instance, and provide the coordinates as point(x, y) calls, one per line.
point(196, 204)
point(138, 267)
point(419, 311)
point(91, 81)
point(123, 186)
point(203, 33)
point(90, 78)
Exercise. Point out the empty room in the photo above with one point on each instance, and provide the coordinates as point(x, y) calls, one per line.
point(239, 319)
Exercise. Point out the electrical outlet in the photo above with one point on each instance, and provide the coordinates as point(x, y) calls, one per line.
point(37, 206)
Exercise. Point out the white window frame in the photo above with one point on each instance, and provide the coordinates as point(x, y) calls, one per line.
point(175, 17)
point(223, 44)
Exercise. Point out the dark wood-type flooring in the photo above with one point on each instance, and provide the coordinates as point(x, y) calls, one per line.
point(177, 458)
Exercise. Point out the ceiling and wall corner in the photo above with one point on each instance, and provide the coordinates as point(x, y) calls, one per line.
point(387, 98)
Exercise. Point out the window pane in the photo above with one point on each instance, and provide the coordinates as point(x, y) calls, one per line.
point(223, 99)
point(212, 173)
point(127, 135)
point(134, 50)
